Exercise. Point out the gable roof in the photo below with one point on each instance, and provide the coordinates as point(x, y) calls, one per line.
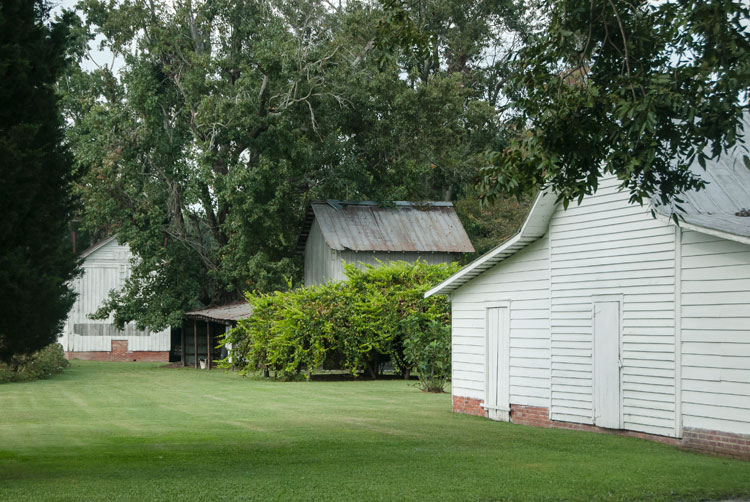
point(713, 210)
point(405, 227)
point(95, 247)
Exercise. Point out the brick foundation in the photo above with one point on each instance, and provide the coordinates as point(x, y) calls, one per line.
point(715, 442)
point(468, 406)
point(121, 353)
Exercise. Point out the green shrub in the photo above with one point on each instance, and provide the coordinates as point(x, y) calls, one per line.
point(353, 325)
point(41, 364)
point(428, 351)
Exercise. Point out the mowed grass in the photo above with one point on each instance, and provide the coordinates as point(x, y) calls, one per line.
point(113, 431)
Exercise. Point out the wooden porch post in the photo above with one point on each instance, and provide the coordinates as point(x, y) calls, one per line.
point(195, 342)
point(208, 344)
point(183, 333)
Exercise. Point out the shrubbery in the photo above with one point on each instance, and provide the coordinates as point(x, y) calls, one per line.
point(355, 325)
point(41, 364)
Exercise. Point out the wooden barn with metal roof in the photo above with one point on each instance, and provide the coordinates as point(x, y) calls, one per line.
point(338, 232)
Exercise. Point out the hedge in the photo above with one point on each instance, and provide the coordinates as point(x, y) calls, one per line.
point(354, 325)
point(41, 364)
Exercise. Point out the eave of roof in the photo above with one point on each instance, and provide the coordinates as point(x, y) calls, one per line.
point(97, 246)
point(534, 227)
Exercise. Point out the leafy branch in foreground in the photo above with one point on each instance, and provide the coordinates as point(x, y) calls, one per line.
point(640, 90)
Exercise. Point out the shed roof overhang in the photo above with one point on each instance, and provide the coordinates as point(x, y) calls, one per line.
point(223, 314)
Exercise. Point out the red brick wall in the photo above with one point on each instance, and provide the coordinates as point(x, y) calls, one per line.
point(120, 352)
point(719, 443)
point(468, 406)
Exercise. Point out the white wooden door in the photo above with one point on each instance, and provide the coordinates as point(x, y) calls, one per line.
point(497, 364)
point(607, 364)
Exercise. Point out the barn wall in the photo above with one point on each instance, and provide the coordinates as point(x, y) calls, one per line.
point(318, 257)
point(715, 333)
point(105, 269)
point(523, 280)
point(372, 258)
point(607, 246)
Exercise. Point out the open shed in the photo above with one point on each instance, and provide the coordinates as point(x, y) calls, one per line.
point(201, 329)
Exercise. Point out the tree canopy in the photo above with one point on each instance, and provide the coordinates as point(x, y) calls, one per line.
point(637, 89)
point(229, 117)
point(36, 259)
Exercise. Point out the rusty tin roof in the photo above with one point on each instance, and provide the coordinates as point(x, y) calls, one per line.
point(227, 314)
point(402, 227)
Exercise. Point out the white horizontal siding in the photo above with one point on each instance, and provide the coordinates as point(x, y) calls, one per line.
point(606, 246)
point(715, 333)
point(523, 281)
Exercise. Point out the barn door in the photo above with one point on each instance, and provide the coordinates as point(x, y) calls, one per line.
point(607, 364)
point(497, 364)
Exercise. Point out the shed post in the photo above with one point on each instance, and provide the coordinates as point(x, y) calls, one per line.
point(183, 332)
point(208, 345)
point(195, 343)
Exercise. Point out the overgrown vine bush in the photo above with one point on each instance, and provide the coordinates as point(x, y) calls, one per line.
point(354, 325)
point(428, 350)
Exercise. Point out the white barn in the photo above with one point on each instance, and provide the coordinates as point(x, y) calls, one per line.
point(338, 232)
point(106, 266)
point(602, 317)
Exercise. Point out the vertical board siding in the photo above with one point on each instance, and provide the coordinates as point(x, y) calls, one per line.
point(105, 269)
point(317, 257)
point(607, 246)
point(715, 330)
point(523, 280)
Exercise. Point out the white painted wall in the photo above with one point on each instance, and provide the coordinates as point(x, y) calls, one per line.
point(105, 269)
point(607, 246)
point(523, 281)
point(685, 319)
point(715, 332)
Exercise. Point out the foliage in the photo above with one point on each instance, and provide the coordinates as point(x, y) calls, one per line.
point(36, 259)
point(637, 89)
point(351, 325)
point(38, 365)
point(227, 118)
point(428, 351)
point(489, 225)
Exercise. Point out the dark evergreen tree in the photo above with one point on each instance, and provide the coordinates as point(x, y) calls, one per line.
point(36, 259)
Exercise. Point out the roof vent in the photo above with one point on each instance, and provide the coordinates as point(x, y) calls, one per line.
point(743, 212)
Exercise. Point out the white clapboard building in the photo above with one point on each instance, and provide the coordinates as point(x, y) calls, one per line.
point(337, 232)
point(604, 317)
point(106, 266)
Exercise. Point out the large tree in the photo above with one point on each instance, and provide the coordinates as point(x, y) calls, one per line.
point(637, 89)
point(229, 116)
point(36, 259)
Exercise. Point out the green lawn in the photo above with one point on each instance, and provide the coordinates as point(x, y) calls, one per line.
point(111, 431)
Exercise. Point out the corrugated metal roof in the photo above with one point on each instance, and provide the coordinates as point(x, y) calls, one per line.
point(405, 227)
point(227, 314)
point(726, 193)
